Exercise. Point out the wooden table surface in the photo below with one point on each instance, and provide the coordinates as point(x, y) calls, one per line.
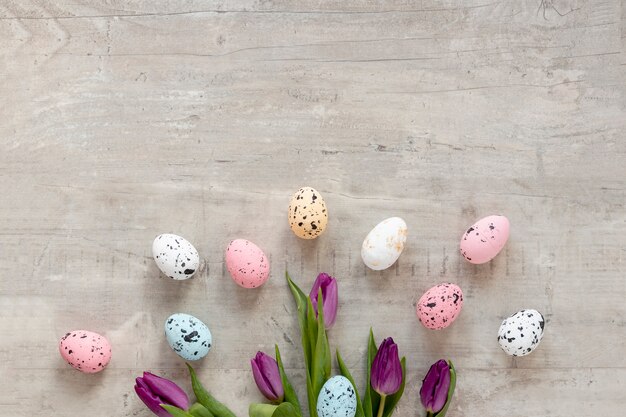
point(120, 120)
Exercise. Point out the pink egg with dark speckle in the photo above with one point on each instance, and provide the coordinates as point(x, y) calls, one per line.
point(247, 264)
point(86, 351)
point(485, 239)
point(440, 306)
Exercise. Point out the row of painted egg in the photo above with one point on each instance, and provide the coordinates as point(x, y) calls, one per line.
point(249, 267)
point(191, 339)
point(308, 217)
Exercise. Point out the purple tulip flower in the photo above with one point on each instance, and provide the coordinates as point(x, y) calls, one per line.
point(386, 372)
point(435, 386)
point(330, 297)
point(267, 377)
point(154, 391)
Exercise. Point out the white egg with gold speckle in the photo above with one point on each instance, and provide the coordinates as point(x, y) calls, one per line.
point(384, 243)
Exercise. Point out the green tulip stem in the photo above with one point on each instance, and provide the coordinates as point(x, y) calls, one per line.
point(381, 406)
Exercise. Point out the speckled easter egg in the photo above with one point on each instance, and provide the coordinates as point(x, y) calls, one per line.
point(188, 336)
point(307, 213)
point(247, 264)
point(485, 239)
point(337, 398)
point(384, 244)
point(175, 256)
point(440, 306)
point(521, 333)
point(86, 351)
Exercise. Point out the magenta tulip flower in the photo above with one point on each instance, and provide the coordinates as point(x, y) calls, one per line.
point(435, 386)
point(267, 377)
point(154, 391)
point(330, 297)
point(386, 373)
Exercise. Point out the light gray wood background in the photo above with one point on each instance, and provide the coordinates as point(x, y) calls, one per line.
point(120, 120)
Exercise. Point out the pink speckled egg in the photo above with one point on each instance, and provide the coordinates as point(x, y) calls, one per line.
point(485, 239)
point(247, 264)
point(440, 306)
point(86, 351)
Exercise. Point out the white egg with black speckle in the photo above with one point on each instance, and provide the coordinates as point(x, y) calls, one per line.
point(337, 398)
point(521, 333)
point(175, 256)
point(188, 336)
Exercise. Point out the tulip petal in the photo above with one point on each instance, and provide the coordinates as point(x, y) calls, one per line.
point(428, 387)
point(267, 377)
point(151, 401)
point(386, 374)
point(435, 386)
point(331, 301)
point(168, 391)
point(330, 297)
point(270, 371)
point(441, 390)
point(261, 383)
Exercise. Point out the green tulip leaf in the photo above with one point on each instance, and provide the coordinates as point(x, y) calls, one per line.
point(372, 398)
point(312, 327)
point(321, 358)
point(392, 400)
point(444, 410)
point(261, 410)
point(206, 399)
point(290, 394)
point(345, 372)
point(311, 397)
point(301, 303)
point(286, 410)
point(320, 324)
point(175, 411)
point(198, 410)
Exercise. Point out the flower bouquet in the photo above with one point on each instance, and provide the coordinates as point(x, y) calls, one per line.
point(327, 396)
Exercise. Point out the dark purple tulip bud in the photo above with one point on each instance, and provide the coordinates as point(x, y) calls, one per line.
point(154, 391)
point(435, 386)
point(386, 373)
point(267, 377)
point(330, 297)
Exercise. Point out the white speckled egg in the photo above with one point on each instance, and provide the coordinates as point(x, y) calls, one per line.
point(189, 337)
point(175, 256)
point(337, 398)
point(384, 244)
point(521, 333)
point(307, 213)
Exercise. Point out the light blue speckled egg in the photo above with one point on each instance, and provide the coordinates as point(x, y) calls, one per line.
point(337, 398)
point(189, 337)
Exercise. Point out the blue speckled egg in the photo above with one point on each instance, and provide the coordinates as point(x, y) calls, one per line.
point(337, 398)
point(189, 337)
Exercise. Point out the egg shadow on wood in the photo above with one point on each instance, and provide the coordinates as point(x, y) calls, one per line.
point(76, 382)
point(163, 291)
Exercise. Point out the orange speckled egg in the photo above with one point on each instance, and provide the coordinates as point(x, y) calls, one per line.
point(307, 213)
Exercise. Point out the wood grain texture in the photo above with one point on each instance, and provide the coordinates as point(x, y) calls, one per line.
point(120, 120)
